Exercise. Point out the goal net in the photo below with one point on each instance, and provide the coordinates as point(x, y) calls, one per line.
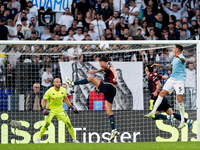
point(27, 69)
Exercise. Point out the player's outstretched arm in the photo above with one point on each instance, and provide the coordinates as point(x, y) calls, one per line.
point(164, 67)
point(95, 71)
point(165, 77)
point(70, 105)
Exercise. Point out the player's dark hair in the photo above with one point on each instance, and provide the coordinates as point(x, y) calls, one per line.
point(103, 59)
point(180, 47)
point(150, 69)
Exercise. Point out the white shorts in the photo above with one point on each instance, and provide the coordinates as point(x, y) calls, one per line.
point(178, 86)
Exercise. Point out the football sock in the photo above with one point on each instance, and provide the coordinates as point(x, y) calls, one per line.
point(157, 104)
point(182, 111)
point(160, 116)
point(112, 122)
point(178, 116)
point(84, 81)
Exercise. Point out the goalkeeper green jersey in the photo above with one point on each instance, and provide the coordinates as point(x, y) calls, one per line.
point(55, 98)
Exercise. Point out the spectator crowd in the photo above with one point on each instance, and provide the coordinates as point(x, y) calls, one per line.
point(92, 20)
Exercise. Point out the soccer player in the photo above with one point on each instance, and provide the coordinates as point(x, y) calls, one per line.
point(175, 82)
point(54, 107)
point(108, 88)
point(154, 87)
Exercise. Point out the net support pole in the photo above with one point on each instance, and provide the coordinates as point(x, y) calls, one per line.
point(198, 90)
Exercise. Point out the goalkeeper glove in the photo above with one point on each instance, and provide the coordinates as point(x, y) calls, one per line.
point(151, 104)
point(45, 111)
point(73, 108)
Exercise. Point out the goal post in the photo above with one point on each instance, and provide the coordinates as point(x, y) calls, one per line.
point(9, 48)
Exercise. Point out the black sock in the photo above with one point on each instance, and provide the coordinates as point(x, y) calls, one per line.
point(178, 116)
point(84, 81)
point(112, 121)
point(160, 116)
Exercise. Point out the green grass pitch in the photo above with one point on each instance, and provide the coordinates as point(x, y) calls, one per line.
point(105, 146)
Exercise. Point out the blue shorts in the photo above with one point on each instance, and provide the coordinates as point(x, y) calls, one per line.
point(164, 105)
point(108, 90)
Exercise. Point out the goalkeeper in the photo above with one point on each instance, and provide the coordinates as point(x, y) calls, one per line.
point(54, 107)
point(154, 87)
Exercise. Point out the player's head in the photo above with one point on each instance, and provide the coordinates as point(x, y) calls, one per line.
point(57, 83)
point(148, 68)
point(103, 61)
point(178, 49)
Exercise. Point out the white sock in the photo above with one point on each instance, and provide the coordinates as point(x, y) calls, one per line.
point(168, 116)
point(182, 111)
point(157, 104)
point(113, 130)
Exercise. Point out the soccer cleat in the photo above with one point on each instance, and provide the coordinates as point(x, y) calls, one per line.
point(190, 123)
point(171, 119)
point(69, 82)
point(113, 134)
point(182, 124)
point(150, 115)
point(38, 140)
point(75, 141)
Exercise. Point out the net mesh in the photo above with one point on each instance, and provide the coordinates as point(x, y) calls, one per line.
point(24, 65)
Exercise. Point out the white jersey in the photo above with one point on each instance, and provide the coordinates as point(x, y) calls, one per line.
point(46, 75)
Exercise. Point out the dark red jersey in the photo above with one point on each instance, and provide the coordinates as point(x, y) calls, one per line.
point(109, 76)
point(153, 78)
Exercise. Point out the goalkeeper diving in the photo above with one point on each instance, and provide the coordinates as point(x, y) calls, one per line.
point(54, 97)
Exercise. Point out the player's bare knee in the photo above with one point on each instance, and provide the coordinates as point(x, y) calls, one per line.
point(163, 93)
point(109, 113)
point(90, 78)
point(180, 98)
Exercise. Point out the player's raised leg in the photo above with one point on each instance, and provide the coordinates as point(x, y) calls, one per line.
point(65, 118)
point(48, 119)
point(92, 79)
point(157, 104)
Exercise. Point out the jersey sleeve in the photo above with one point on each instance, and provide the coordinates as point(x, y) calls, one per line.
point(47, 95)
point(159, 76)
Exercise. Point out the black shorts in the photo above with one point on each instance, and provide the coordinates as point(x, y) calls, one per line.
point(164, 105)
point(108, 90)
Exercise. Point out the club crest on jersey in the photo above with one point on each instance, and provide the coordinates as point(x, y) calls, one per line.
point(53, 94)
point(61, 92)
point(52, 98)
